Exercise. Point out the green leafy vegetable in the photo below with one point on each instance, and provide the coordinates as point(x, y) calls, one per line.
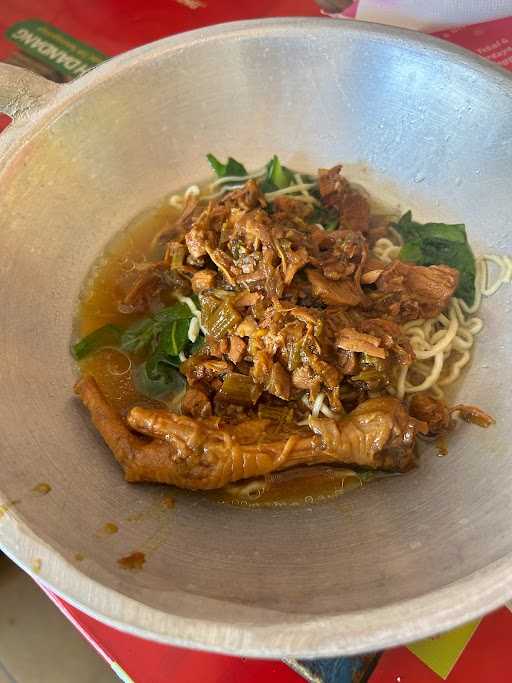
point(158, 377)
point(161, 338)
point(166, 333)
point(173, 337)
point(179, 311)
point(145, 333)
point(277, 177)
point(231, 168)
point(108, 335)
point(138, 336)
point(411, 230)
point(412, 252)
point(432, 244)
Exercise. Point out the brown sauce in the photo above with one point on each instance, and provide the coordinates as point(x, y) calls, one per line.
point(134, 562)
point(111, 368)
point(43, 488)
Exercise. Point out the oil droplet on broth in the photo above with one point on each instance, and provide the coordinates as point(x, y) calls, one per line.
point(133, 562)
point(168, 502)
point(43, 488)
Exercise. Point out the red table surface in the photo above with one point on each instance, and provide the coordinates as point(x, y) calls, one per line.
point(148, 662)
point(487, 658)
point(113, 26)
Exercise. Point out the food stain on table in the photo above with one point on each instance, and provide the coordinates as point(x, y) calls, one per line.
point(133, 562)
point(37, 563)
point(79, 557)
point(43, 488)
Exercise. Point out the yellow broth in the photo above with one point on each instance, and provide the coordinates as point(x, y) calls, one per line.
point(100, 300)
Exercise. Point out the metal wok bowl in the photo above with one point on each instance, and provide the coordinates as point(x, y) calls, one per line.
point(415, 119)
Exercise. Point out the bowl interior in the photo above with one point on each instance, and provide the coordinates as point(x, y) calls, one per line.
point(420, 125)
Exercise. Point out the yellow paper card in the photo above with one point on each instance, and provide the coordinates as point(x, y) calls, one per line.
point(440, 653)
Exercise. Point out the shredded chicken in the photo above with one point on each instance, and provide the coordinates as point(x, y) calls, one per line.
point(203, 279)
point(391, 338)
point(433, 412)
point(352, 340)
point(336, 191)
point(431, 288)
point(196, 403)
point(237, 348)
point(176, 229)
point(329, 292)
point(438, 415)
point(288, 206)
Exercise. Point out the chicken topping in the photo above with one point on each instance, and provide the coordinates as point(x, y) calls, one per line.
point(336, 191)
point(284, 310)
point(429, 287)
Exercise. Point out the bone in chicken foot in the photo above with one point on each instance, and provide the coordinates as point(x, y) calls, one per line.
point(205, 454)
